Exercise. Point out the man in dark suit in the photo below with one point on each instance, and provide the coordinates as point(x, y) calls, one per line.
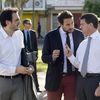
point(30, 42)
point(61, 75)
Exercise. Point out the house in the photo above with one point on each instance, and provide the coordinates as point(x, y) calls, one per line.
point(45, 12)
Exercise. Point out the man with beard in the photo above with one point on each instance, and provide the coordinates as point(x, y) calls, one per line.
point(61, 75)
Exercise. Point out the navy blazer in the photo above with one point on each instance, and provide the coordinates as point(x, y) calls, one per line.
point(53, 41)
point(33, 40)
point(34, 46)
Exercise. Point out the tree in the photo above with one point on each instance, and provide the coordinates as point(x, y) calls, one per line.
point(17, 3)
point(92, 6)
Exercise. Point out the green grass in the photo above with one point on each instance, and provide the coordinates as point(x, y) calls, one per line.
point(41, 67)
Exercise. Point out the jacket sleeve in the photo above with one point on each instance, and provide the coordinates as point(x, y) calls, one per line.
point(46, 51)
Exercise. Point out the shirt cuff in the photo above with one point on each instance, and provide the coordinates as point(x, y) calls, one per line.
point(71, 58)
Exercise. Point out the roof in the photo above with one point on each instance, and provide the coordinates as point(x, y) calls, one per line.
point(66, 2)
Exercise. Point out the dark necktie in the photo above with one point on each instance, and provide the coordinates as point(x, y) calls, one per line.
point(85, 59)
point(28, 40)
point(69, 65)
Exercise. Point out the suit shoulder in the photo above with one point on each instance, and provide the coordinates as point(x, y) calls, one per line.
point(33, 31)
point(78, 33)
point(52, 33)
point(77, 30)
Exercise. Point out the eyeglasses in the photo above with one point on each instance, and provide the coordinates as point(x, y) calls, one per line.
point(28, 23)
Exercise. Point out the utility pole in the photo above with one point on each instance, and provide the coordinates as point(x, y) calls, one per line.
point(33, 16)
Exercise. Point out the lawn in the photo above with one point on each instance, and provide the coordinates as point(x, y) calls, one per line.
point(41, 67)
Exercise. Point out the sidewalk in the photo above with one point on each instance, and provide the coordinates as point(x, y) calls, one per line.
point(41, 80)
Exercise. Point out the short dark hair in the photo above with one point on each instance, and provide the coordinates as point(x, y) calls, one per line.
point(6, 14)
point(63, 15)
point(90, 18)
point(25, 21)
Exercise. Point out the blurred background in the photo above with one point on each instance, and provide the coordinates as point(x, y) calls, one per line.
point(44, 12)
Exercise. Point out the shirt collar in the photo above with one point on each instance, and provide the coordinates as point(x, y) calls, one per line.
point(62, 31)
point(95, 34)
point(5, 35)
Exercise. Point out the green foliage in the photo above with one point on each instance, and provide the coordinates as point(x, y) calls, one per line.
point(92, 6)
point(41, 67)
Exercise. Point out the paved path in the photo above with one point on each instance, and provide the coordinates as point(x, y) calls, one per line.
point(41, 79)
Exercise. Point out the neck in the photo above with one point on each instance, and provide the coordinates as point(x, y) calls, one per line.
point(8, 31)
point(26, 28)
point(92, 31)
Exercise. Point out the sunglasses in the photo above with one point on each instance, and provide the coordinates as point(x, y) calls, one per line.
point(28, 23)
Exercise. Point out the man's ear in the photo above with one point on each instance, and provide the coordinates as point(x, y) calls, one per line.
point(7, 22)
point(91, 24)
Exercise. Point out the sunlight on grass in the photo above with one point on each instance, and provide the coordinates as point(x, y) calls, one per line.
point(41, 67)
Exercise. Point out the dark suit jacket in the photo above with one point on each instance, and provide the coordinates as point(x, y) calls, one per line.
point(55, 68)
point(33, 41)
point(30, 49)
point(29, 92)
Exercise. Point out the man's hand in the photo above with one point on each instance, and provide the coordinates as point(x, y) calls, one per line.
point(24, 70)
point(55, 54)
point(97, 91)
point(68, 51)
point(30, 69)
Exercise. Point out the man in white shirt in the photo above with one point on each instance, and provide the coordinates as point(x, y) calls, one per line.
point(11, 83)
point(86, 85)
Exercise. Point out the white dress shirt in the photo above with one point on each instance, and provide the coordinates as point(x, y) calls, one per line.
point(10, 49)
point(63, 38)
point(26, 32)
point(93, 65)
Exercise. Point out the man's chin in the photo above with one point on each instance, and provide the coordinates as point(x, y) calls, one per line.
point(70, 31)
point(16, 29)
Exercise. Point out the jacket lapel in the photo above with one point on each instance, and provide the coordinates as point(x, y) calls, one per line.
point(59, 42)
